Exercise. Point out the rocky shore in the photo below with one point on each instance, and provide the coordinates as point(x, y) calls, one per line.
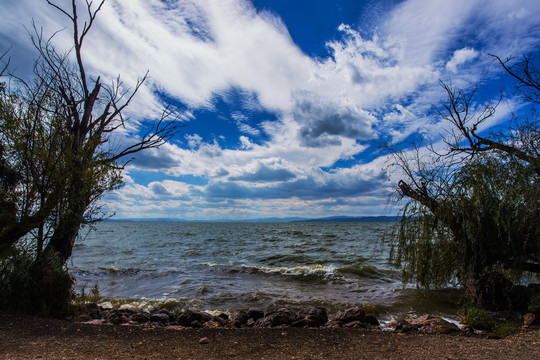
point(24, 337)
point(316, 317)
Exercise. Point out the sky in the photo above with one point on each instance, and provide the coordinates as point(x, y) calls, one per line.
point(287, 102)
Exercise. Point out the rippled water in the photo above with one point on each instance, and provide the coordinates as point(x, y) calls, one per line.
point(233, 266)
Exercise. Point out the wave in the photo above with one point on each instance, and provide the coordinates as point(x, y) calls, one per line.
point(366, 271)
point(104, 271)
point(123, 271)
point(310, 270)
point(316, 271)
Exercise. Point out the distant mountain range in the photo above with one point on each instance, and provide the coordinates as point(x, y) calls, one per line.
point(352, 219)
point(274, 219)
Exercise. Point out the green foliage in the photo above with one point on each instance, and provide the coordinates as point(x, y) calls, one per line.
point(473, 209)
point(478, 318)
point(35, 286)
point(507, 328)
point(424, 249)
point(488, 220)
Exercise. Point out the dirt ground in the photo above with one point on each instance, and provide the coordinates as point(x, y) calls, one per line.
point(23, 337)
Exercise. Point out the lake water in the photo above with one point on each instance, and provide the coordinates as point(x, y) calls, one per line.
point(234, 266)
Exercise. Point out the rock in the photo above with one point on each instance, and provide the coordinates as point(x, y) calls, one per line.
point(349, 315)
point(422, 320)
point(250, 322)
point(306, 322)
point(255, 313)
point(223, 316)
point(370, 319)
point(160, 318)
point(204, 340)
point(186, 318)
point(239, 319)
point(354, 324)
point(278, 318)
point(316, 317)
point(172, 317)
point(403, 326)
point(89, 311)
point(433, 325)
point(439, 326)
point(319, 315)
point(530, 319)
point(116, 317)
point(221, 320)
point(141, 317)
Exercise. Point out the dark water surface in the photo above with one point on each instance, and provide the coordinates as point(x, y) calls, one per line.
point(234, 266)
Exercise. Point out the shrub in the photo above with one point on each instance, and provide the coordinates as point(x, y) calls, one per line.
point(36, 286)
point(478, 318)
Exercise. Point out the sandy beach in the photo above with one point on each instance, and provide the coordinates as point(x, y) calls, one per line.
point(24, 337)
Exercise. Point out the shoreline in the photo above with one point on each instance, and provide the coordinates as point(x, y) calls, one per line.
point(25, 337)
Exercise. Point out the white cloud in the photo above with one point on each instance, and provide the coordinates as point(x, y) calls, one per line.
point(194, 140)
point(460, 57)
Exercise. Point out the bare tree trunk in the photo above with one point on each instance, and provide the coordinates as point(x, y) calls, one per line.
point(78, 200)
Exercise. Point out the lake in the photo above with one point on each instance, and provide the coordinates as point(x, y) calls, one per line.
point(234, 266)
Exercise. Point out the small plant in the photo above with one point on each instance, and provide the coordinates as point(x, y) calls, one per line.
point(94, 294)
point(478, 318)
point(505, 329)
point(81, 298)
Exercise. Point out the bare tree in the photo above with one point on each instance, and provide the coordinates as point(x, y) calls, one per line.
point(60, 145)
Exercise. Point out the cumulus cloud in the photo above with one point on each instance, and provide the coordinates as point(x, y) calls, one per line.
point(460, 57)
point(264, 174)
point(154, 159)
point(159, 189)
point(322, 122)
point(194, 140)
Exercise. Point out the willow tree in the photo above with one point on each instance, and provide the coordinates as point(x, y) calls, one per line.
point(55, 159)
point(473, 209)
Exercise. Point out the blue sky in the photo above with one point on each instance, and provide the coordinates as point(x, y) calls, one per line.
point(288, 101)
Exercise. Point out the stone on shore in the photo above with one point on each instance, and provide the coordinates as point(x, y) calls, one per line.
point(239, 319)
point(425, 324)
point(255, 313)
point(316, 317)
point(89, 311)
point(350, 315)
point(159, 318)
point(282, 317)
point(190, 317)
point(116, 317)
point(142, 317)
